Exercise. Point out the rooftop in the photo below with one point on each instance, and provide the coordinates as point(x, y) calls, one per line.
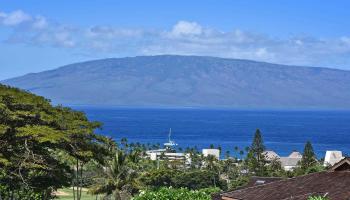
point(295, 154)
point(335, 184)
point(287, 161)
point(271, 155)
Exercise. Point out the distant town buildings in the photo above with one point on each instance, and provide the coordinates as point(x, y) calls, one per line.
point(213, 152)
point(332, 157)
point(169, 153)
point(295, 154)
point(288, 163)
point(271, 155)
point(163, 154)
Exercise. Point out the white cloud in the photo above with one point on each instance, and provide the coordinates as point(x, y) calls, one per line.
point(40, 22)
point(64, 39)
point(14, 18)
point(185, 37)
point(299, 42)
point(345, 40)
point(60, 36)
point(111, 32)
point(186, 28)
point(262, 53)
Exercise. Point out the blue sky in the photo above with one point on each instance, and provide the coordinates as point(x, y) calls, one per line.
point(41, 35)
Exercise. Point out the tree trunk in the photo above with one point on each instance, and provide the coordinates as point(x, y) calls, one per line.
point(117, 195)
point(73, 190)
point(77, 179)
point(81, 180)
point(214, 181)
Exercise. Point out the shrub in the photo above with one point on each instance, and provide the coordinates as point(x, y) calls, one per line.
point(198, 179)
point(195, 179)
point(176, 194)
point(318, 198)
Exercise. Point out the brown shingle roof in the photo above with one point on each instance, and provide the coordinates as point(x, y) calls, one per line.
point(336, 184)
point(256, 180)
point(343, 165)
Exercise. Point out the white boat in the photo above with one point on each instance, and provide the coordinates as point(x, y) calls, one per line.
point(170, 142)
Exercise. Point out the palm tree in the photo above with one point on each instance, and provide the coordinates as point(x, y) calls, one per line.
point(241, 153)
point(211, 165)
point(227, 154)
point(236, 148)
point(116, 177)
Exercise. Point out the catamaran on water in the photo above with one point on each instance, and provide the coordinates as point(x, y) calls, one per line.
point(170, 144)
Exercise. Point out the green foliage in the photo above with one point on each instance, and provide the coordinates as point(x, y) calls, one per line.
point(238, 182)
point(255, 159)
point(258, 146)
point(317, 198)
point(317, 167)
point(44, 148)
point(32, 132)
point(309, 163)
point(176, 194)
point(274, 169)
point(119, 177)
point(309, 157)
point(159, 178)
point(192, 179)
point(198, 179)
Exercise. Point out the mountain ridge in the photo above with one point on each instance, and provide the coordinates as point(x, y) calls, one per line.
point(190, 81)
point(130, 57)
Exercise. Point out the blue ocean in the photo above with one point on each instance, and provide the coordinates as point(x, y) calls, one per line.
point(283, 131)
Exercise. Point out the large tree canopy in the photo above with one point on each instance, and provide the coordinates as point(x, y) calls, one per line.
point(33, 134)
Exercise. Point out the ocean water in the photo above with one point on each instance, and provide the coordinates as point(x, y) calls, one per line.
point(283, 131)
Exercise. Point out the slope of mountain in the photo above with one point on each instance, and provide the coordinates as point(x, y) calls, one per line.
point(190, 81)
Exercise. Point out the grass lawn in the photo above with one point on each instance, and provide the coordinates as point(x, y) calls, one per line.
point(67, 194)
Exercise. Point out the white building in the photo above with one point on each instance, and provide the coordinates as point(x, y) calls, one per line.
point(213, 152)
point(153, 154)
point(332, 157)
point(290, 162)
point(162, 154)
